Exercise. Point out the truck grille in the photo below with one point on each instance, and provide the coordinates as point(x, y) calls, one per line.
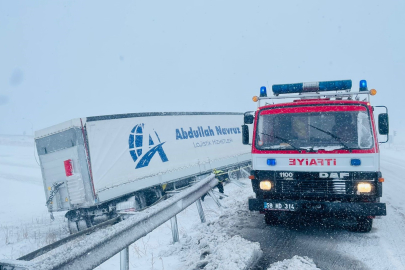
point(315, 187)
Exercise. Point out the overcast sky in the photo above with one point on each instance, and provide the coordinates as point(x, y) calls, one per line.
point(66, 59)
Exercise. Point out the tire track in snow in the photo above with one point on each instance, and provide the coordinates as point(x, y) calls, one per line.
point(312, 239)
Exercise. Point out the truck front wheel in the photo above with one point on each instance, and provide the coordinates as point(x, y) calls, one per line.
point(364, 224)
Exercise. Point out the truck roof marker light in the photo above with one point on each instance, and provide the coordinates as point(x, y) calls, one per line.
point(363, 85)
point(373, 92)
point(271, 162)
point(251, 177)
point(311, 87)
point(255, 99)
point(263, 91)
point(355, 162)
point(381, 180)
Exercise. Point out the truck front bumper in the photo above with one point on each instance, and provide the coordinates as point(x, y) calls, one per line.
point(322, 208)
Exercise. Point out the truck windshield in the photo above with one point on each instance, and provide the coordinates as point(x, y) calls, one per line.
point(315, 130)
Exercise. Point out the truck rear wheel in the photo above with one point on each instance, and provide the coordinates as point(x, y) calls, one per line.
point(364, 224)
point(270, 218)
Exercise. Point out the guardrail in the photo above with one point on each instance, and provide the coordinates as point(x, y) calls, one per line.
point(89, 251)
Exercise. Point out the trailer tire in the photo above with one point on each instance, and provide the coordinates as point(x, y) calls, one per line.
point(152, 195)
point(72, 227)
point(364, 224)
point(141, 200)
point(82, 224)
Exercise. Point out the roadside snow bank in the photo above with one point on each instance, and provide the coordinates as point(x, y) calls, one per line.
point(296, 262)
point(209, 246)
point(209, 249)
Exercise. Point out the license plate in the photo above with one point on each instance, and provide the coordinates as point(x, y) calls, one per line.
point(280, 206)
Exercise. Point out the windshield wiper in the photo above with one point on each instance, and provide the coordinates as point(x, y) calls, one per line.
point(282, 139)
point(332, 135)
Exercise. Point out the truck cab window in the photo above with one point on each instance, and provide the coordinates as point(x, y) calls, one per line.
point(317, 130)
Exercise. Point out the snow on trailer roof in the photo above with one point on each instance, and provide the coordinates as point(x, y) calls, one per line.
point(76, 122)
point(147, 114)
point(59, 128)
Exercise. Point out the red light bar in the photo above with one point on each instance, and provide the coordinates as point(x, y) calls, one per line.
point(68, 167)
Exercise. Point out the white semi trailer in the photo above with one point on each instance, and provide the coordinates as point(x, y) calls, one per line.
point(97, 166)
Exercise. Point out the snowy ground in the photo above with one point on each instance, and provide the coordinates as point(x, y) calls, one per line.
point(217, 244)
point(296, 262)
point(24, 220)
point(25, 224)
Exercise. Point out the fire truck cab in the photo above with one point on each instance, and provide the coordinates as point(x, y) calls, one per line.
point(318, 154)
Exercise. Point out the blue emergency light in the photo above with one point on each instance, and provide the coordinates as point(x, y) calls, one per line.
point(271, 162)
point(311, 87)
point(263, 91)
point(355, 162)
point(363, 85)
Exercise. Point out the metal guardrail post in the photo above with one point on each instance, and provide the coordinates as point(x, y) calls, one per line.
point(175, 229)
point(200, 210)
point(244, 172)
point(214, 198)
point(124, 259)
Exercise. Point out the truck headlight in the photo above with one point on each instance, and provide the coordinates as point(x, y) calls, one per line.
point(265, 185)
point(364, 187)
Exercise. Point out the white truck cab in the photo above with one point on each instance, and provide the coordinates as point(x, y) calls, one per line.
point(318, 154)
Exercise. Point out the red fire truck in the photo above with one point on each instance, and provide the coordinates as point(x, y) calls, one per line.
point(317, 155)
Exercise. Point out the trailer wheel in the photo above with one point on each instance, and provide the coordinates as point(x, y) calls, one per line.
point(364, 224)
point(153, 196)
point(140, 200)
point(82, 224)
point(72, 227)
point(270, 218)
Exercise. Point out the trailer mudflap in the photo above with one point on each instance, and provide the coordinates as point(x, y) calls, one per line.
point(316, 207)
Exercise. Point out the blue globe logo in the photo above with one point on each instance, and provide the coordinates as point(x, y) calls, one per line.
point(141, 152)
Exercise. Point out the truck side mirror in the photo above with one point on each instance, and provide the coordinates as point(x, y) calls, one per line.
point(383, 125)
point(245, 134)
point(248, 118)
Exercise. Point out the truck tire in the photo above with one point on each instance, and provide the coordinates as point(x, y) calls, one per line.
point(271, 218)
point(364, 224)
